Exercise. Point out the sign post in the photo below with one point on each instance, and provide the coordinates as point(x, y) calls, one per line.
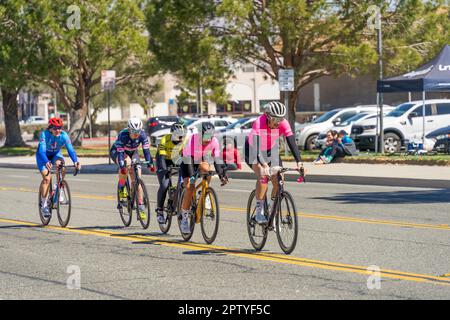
point(286, 84)
point(108, 82)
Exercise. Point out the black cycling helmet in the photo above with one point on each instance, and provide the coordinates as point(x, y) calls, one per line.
point(207, 127)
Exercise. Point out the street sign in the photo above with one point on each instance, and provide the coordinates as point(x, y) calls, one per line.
point(108, 80)
point(286, 79)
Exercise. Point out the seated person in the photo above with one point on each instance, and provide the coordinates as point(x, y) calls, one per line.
point(347, 144)
point(230, 154)
point(332, 149)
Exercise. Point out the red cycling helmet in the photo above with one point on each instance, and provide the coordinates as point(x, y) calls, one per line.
point(55, 122)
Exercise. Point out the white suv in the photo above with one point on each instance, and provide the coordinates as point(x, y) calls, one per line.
point(192, 126)
point(310, 131)
point(404, 123)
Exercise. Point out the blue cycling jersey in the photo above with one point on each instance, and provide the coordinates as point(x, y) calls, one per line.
point(49, 145)
point(124, 144)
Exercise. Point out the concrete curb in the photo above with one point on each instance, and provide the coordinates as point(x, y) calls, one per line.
point(337, 179)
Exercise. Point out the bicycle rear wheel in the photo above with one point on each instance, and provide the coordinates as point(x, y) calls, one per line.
point(125, 208)
point(256, 232)
point(45, 221)
point(286, 223)
point(186, 236)
point(64, 206)
point(167, 210)
point(144, 222)
point(209, 221)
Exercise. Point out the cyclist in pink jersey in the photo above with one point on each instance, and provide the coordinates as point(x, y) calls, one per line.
point(201, 150)
point(262, 151)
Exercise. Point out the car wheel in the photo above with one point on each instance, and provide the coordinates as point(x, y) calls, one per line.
point(392, 143)
point(311, 142)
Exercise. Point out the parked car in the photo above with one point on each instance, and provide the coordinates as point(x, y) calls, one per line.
point(162, 122)
point(238, 130)
point(193, 125)
point(348, 124)
point(440, 139)
point(310, 131)
point(403, 124)
point(34, 120)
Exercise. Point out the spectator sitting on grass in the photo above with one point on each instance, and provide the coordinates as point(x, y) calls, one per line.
point(332, 149)
point(347, 143)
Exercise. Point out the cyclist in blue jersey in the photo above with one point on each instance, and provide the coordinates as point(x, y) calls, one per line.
point(123, 150)
point(49, 153)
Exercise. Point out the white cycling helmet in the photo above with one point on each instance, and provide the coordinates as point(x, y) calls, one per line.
point(135, 124)
point(275, 109)
point(178, 131)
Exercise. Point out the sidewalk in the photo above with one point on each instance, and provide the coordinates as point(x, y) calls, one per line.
point(341, 173)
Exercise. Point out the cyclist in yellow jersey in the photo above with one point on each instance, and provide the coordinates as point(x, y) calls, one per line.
point(168, 154)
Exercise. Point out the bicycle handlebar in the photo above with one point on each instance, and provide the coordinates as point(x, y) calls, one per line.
point(53, 170)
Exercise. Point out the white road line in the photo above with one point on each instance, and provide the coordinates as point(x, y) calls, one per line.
point(20, 177)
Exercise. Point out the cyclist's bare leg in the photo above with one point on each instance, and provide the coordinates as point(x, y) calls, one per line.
point(124, 171)
point(46, 181)
point(261, 188)
point(187, 198)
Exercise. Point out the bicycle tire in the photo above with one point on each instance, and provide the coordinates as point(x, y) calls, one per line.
point(215, 201)
point(292, 221)
point(125, 217)
point(145, 224)
point(45, 221)
point(252, 226)
point(167, 213)
point(186, 236)
point(64, 187)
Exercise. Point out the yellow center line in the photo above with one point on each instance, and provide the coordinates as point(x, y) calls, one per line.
point(302, 214)
point(269, 257)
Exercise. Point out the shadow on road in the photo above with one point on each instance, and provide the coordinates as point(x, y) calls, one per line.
point(398, 197)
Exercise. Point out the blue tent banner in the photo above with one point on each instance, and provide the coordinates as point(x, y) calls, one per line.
point(433, 76)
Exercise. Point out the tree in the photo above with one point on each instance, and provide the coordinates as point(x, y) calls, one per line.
point(182, 43)
point(81, 39)
point(18, 47)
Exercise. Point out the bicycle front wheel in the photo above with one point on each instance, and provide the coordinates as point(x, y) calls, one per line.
point(209, 221)
point(143, 219)
point(167, 211)
point(125, 208)
point(286, 223)
point(186, 236)
point(257, 233)
point(45, 221)
point(64, 206)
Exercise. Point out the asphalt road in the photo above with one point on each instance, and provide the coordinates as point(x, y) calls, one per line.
point(344, 229)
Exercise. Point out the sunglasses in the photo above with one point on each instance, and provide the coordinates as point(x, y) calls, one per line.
point(57, 128)
point(275, 120)
point(135, 132)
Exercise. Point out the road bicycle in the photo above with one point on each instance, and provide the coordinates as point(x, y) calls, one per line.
point(282, 212)
point(170, 207)
point(204, 209)
point(58, 197)
point(132, 201)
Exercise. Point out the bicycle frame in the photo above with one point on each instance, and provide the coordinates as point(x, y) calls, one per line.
point(59, 178)
point(174, 171)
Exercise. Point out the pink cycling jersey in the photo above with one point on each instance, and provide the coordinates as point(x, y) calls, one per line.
point(268, 137)
point(195, 148)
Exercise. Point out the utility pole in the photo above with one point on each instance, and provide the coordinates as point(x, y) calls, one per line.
point(380, 66)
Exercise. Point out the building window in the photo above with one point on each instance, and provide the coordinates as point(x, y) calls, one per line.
point(191, 108)
point(244, 106)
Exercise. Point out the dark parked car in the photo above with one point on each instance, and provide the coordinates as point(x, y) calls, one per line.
point(162, 122)
point(441, 137)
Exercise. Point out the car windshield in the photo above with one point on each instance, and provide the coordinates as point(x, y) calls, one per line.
point(352, 119)
point(325, 116)
point(237, 124)
point(400, 110)
point(187, 122)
